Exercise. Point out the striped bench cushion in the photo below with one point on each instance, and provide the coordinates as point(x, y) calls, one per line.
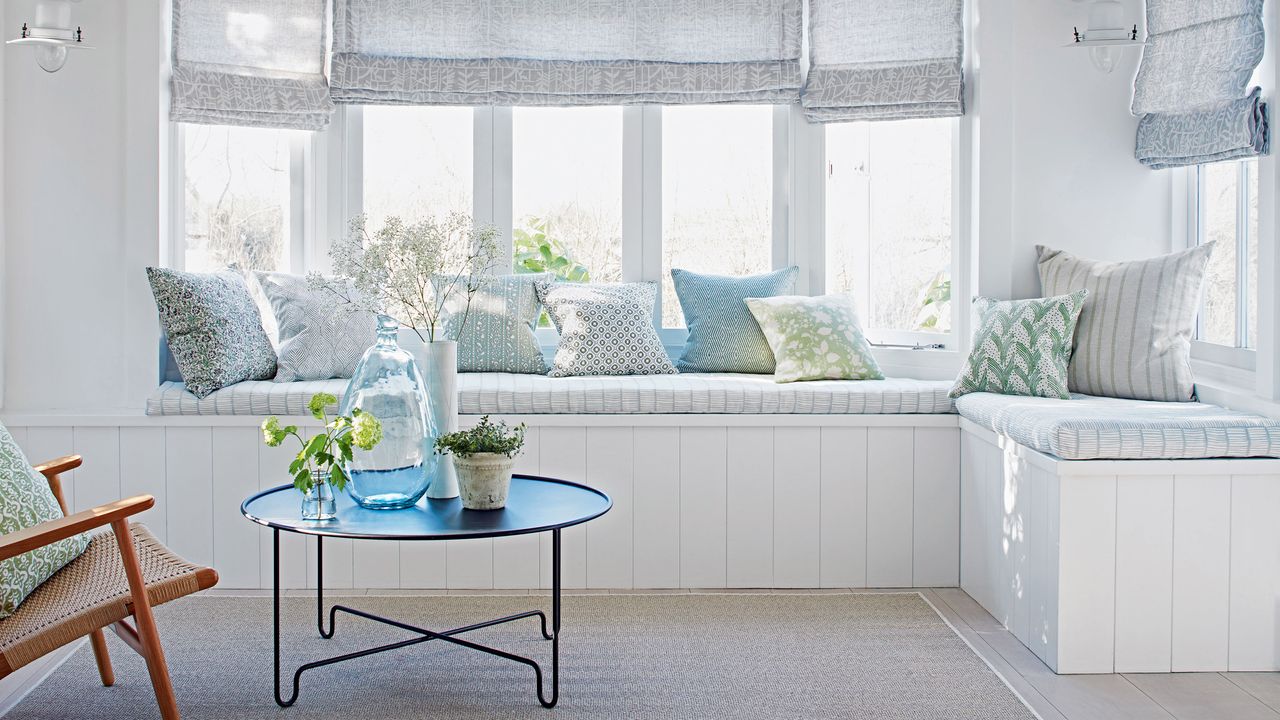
point(1096, 428)
point(508, 394)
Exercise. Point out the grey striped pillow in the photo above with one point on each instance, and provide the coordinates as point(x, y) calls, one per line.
point(1133, 339)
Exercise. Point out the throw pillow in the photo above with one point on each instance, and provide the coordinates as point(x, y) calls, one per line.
point(319, 339)
point(26, 500)
point(605, 329)
point(723, 335)
point(214, 328)
point(496, 333)
point(1021, 347)
point(1134, 335)
point(815, 338)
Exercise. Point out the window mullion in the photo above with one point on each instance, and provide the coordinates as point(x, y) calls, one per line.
point(651, 203)
point(1242, 255)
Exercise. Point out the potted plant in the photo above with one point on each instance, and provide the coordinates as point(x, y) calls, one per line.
point(484, 456)
point(410, 272)
point(317, 468)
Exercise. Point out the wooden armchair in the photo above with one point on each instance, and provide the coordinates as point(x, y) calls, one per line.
point(122, 573)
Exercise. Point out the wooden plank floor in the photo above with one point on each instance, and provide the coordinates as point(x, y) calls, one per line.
point(1180, 696)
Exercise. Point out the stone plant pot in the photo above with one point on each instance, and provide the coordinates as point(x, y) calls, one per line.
point(483, 480)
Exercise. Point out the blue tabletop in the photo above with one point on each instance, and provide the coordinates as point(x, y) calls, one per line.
point(534, 504)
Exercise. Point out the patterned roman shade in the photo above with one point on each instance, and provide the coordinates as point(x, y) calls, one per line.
point(566, 52)
point(1191, 88)
point(884, 60)
point(250, 62)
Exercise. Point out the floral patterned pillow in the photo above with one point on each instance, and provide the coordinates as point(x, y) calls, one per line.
point(26, 500)
point(815, 338)
point(214, 328)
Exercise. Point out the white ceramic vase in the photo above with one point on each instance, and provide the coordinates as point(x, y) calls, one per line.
point(484, 479)
point(439, 362)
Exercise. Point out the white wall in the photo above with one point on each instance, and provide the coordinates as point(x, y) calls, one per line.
point(83, 163)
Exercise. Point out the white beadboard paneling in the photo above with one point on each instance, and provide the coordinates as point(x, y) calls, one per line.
point(1042, 576)
point(1017, 506)
point(843, 521)
point(517, 560)
point(749, 507)
point(610, 463)
point(936, 525)
point(142, 472)
point(703, 479)
point(422, 564)
point(1086, 572)
point(375, 564)
point(1201, 572)
point(563, 455)
point(1144, 573)
point(469, 564)
point(50, 443)
point(797, 507)
point(189, 491)
point(273, 464)
point(973, 550)
point(98, 478)
point(890, 506)
point(995, 598)
point(655, 490)
point(1255, 573)
point(236, 551)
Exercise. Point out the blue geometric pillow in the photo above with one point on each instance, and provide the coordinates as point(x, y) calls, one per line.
point(723, 334)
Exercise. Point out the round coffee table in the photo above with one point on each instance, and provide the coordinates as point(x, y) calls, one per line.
point(534, 505)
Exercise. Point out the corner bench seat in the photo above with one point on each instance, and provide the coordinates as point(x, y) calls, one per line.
point(1098, 428)
point(511, 394)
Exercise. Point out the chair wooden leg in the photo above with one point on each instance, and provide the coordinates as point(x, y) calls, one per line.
point(157, 668)
point(103, 658)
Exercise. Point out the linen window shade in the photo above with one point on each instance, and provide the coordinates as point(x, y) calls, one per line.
point(1191, 87)
point(566, 52)
point(250, 62)
point(884, 60)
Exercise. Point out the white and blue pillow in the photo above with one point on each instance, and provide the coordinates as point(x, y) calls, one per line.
point(496, 333)
point(723, 334)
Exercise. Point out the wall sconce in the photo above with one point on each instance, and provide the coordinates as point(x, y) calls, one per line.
point(1106, 36)
point(52, 34)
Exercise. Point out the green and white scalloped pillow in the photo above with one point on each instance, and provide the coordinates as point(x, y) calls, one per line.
point(1021, 347)
point(815, 338)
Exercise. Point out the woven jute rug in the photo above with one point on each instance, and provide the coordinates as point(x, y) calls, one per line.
point(881, 656)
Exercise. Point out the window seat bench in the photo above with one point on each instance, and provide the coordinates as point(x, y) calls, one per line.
point(1124, 536)
point(510, 394)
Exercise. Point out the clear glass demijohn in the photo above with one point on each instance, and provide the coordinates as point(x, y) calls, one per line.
point(389, 384)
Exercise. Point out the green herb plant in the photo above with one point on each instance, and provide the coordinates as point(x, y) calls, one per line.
point(487, 437)
point(327, 451)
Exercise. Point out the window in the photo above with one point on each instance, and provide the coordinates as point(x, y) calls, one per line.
point(889, 225)
point(417, 162)
point(717, 194)
point(1226, 210)
point(236, 203)
point(566, 200)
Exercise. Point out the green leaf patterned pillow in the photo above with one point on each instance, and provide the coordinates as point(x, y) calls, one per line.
point(815, 338)
point(26, 500)
point(1021, 347)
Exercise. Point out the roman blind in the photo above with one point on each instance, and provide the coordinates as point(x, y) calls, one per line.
point(1190, 92)
point(884, 60)
point(250, 62)
point(566, 52)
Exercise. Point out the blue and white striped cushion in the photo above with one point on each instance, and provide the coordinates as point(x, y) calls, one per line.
point(513, 394)
point(1096, 428)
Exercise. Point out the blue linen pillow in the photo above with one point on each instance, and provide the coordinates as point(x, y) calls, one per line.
point(723, 334)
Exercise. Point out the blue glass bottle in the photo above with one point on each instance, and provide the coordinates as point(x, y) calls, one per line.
point(389, 384)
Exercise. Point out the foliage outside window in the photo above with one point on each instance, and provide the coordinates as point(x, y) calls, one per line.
point(1226, 212)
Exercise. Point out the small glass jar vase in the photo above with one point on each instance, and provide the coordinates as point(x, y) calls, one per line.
point(388, 384)
point(318, 504)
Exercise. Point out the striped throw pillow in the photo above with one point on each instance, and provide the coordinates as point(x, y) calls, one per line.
point(1133, 339)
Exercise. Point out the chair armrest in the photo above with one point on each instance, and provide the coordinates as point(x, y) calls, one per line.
point(61, 465)
point(51, 531)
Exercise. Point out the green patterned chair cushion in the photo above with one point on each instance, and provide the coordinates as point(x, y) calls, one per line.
point(723, 335)
point(214, 328)
point(815, 338)
point(1021, 347)
point(26, 500)
point(496, 334)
